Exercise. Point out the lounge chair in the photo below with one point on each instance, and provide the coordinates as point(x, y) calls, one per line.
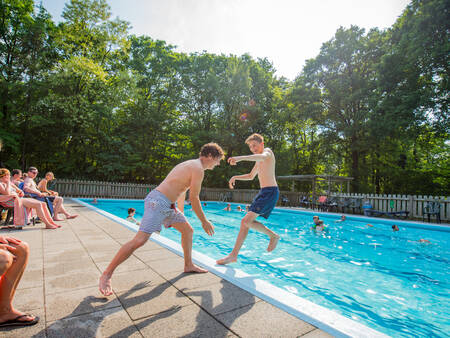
point(305, 202)
point(321, 203)
point(369, 211)
point(47, 200)
point(9, 215)
point(344, 204)
point(285, 200)
point(355, 204)
point(432, 208)
point(332, 203)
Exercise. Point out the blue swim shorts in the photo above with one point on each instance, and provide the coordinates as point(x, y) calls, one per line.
point(159, 210)
point(265, 201)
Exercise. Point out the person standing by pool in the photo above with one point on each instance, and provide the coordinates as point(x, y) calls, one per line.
point(266, 199)
point(160, 209)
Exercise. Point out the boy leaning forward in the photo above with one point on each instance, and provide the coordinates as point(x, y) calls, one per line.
point(160, 209)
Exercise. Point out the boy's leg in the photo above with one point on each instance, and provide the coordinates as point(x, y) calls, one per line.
point(186, 242)
point(124, 252)
point(254, 224)
point(249, 221)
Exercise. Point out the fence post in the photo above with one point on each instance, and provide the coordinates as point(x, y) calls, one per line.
point(411, 206)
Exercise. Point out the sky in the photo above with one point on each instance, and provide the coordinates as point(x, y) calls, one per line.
point(286, 32)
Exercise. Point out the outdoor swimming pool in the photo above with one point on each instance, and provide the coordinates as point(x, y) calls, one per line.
point(383, 279)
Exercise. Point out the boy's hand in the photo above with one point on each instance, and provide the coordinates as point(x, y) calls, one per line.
point(232, 161)
point(231, 182)
point(208, 227)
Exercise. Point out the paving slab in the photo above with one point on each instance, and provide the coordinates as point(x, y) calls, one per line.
point(189, 281)
point(122, 282)
point(150, 245)
point(156, 255)
point(190, 321)
point(28, 300)
point(78, 302)
point(57, 269)
point(72, 281)
point(164, 266)
point(131, 264)
point(67, 256)
point(32, 278)
point(142, 302)
point(264, 320)
point(108, 323)
point(221, 297)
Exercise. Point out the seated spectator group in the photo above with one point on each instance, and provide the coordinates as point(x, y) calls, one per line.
point(25, 198)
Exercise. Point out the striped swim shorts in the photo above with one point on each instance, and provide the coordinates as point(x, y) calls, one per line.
point(159, 210)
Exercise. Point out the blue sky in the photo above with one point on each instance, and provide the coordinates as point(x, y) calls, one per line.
point(287, 32)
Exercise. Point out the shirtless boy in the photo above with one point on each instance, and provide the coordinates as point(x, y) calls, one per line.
point(160, 209)
point(266, 199)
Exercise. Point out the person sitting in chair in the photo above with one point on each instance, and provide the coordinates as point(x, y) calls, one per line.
point(12, 197)
point(16, 177)
point(43, 184)
point(30, 187)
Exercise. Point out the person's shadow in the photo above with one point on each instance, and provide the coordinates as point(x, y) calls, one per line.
point(228, 304)
point(206, 301)
point(86, 308)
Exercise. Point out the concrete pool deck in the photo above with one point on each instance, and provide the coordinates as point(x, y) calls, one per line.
point(152, 296)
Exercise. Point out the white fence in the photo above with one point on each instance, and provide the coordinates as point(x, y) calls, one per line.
point(387, 203)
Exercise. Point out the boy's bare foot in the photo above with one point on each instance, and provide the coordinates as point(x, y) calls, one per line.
point(72, 216)
point(51, 226)
point(105, 285)
point(194, 268)
point(226, 260)
point(273, 243)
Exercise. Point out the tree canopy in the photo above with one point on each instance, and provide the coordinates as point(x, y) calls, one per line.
point(86, 99)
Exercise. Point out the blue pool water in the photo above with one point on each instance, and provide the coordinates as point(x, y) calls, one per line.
point(383, 279)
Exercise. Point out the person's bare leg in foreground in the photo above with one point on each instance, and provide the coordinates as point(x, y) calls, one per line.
point(9, 281)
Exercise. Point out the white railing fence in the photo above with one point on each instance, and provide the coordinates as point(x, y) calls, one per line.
point(387, 203)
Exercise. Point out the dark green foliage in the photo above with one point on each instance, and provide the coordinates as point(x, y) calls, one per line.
point(87, 100)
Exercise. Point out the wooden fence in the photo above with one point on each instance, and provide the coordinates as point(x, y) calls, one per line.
point(72, 188)
point(387, 203)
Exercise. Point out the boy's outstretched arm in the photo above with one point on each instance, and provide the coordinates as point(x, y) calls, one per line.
point(194, 197)
point(246, 177)
point(255, 158)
